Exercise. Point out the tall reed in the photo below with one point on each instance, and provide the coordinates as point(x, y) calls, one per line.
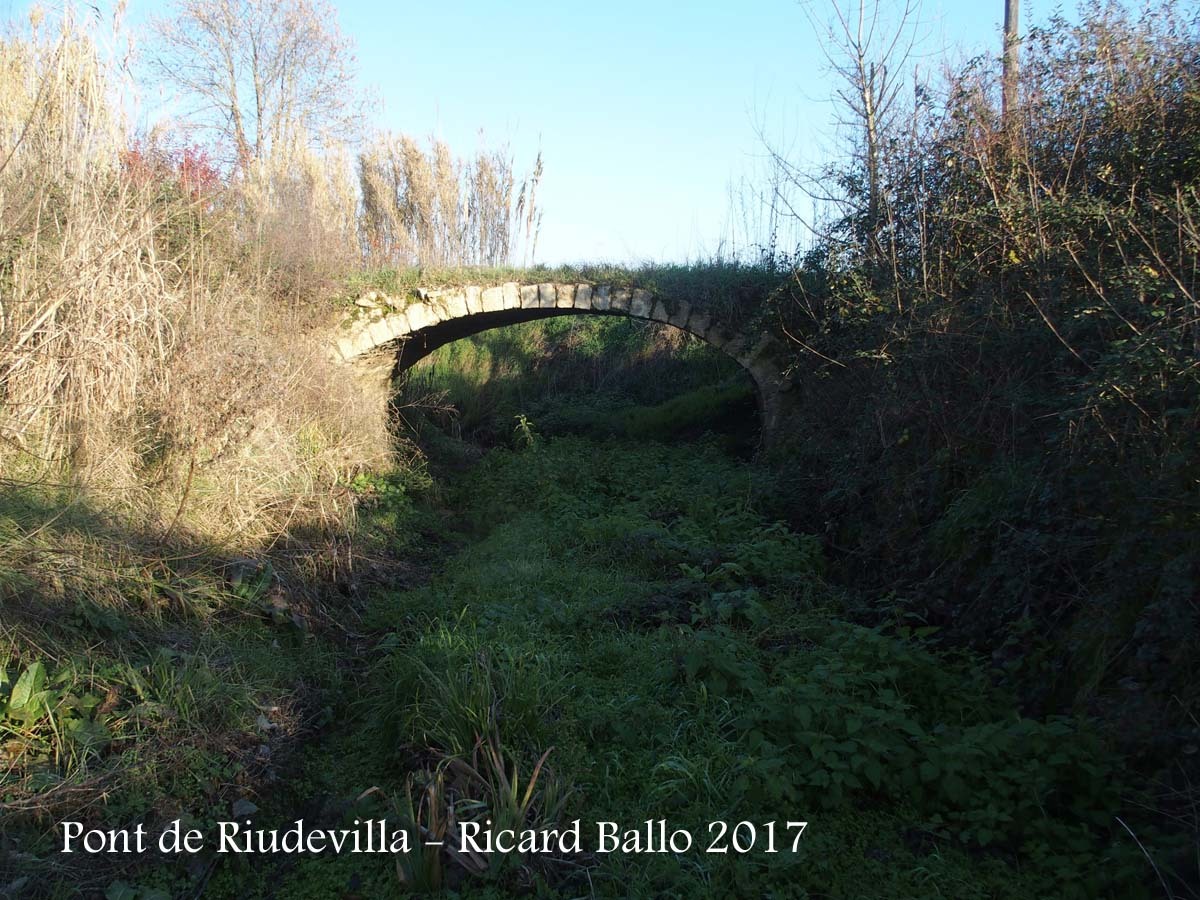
point(144, 356)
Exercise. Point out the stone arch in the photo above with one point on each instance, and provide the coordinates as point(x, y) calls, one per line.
point(414, 330)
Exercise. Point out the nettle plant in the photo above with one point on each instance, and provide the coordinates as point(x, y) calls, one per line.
point(865, 714)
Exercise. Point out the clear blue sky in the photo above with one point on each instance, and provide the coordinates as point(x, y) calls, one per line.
point(646, 111)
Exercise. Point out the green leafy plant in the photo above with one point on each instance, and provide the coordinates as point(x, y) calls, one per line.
point(524, 437)
point(493, 773)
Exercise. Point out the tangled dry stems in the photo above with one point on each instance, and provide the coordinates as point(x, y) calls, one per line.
point(141, 360)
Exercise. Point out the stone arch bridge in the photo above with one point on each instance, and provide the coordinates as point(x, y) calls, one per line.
point(408, 331)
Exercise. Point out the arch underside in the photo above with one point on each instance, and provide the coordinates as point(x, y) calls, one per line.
point(420, 344)
point(416, 346)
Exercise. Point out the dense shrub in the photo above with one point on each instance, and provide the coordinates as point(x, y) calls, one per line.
point(1003, 418)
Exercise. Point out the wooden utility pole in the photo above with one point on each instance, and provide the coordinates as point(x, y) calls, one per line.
point(1012, 29)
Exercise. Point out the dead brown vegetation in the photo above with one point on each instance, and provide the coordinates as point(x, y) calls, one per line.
point(141, 357)
point(429, 208)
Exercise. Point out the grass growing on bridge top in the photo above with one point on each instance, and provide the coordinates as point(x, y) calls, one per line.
point(733, 291)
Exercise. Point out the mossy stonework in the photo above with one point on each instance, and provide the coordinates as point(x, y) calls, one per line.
point(413, 330)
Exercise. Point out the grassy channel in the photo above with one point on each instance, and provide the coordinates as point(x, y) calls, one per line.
point(625, 613)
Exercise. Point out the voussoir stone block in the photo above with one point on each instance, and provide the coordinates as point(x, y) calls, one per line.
point(492, 299)
point(717, 337)
point(602, 298)
point(641, 302)
point(420, 316)
point(346, 348)
point(583, 296)
point(398, 323)
point(362, 341)
point(512, 295)
point(566, 295)
point(760, 347)
point(735, 346)
point(546, 296)
point(620, 299)
point(380, 332)
point(766, 375)
point(529, 296)
point(436, 301)
point(699, 324)
point(474, 297)
point(456, 305)
point(659, 313)
point(682, 311)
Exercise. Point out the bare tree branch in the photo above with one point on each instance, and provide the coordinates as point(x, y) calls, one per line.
point(256, 73)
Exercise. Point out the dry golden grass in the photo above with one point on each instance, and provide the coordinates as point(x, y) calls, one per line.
point(428, 208)
point(140, 360)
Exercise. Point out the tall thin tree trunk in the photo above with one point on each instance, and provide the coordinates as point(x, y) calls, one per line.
point(872, 129)
point(1012, 62)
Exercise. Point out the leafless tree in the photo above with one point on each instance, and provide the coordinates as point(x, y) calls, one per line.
point(257, 72)
point(868, 53)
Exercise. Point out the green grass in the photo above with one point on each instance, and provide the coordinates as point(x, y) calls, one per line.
point(589, 375)
point(138, 682)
